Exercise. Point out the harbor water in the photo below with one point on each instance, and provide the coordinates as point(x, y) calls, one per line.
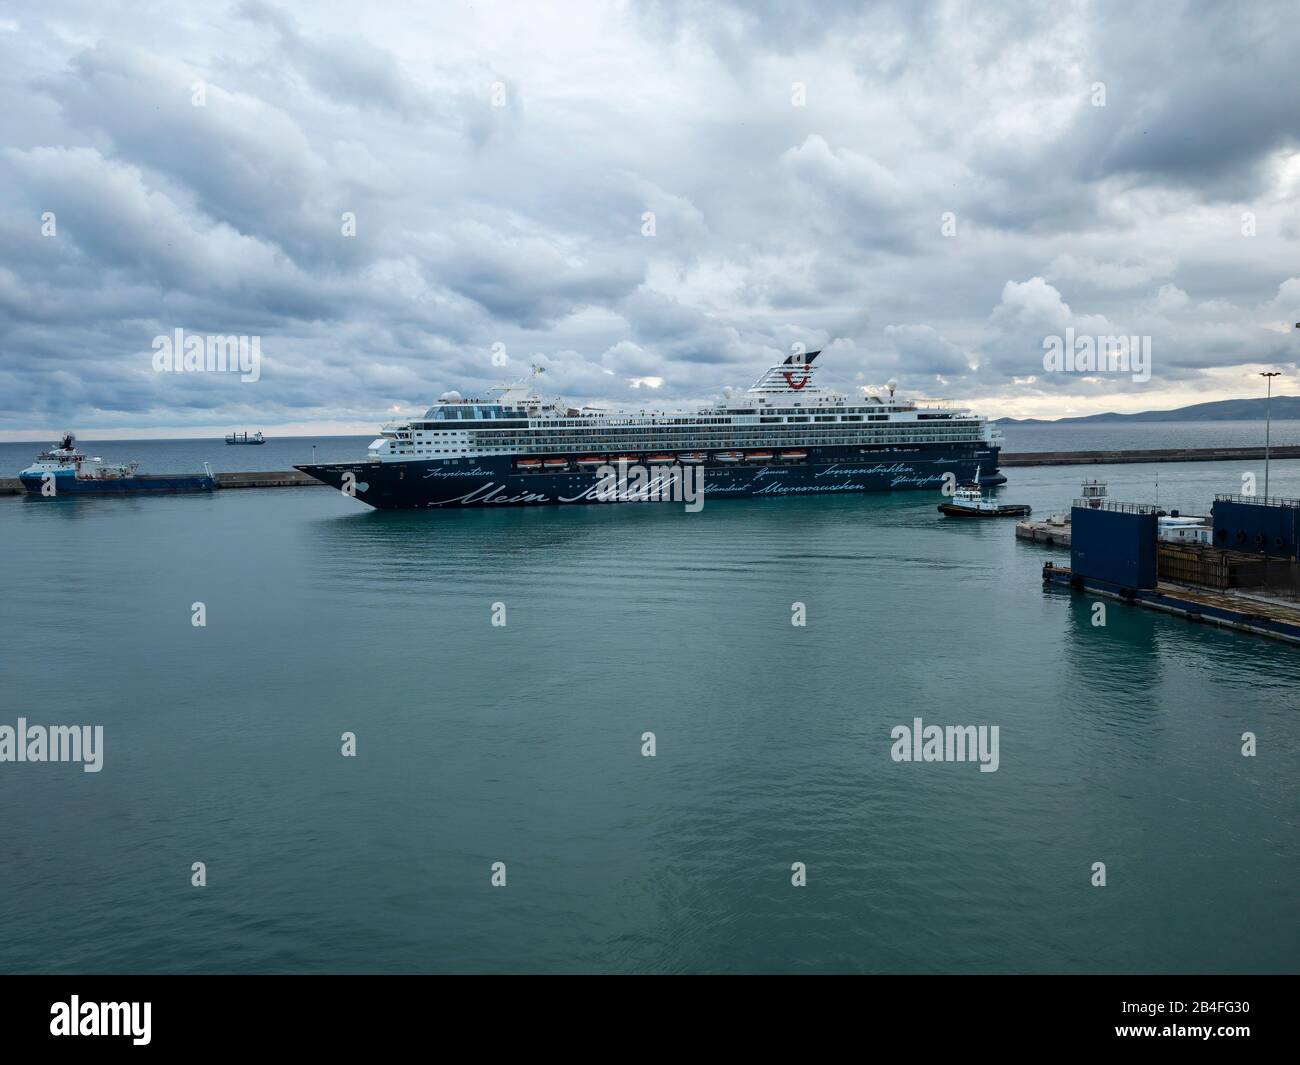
point(522, 743)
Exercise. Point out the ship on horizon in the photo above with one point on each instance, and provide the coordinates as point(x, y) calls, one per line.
point(783, 436)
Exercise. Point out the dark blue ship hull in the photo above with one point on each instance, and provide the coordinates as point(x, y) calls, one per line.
point(496, 481)
point(121, 486)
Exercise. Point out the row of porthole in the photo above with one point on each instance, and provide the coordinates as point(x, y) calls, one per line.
point(1242, 536)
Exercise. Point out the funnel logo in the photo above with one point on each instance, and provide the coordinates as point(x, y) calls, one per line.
point(796, 379)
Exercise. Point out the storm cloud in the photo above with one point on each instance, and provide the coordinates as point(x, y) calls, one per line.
point(652, 200)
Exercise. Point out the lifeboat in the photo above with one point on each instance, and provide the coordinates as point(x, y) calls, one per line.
point(556, 464)
point(759, 456)
point(591, 460)
point(660, 460)
point(692, 458)
point(630, 459)
point(528, 464)
point(794, 456)
point(728, 456)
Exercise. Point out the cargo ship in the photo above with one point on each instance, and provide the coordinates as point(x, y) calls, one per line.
point(244, 438)
point(784, 436)
point(65, 471)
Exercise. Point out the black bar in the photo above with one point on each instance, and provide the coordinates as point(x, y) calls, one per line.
point(986, 1015)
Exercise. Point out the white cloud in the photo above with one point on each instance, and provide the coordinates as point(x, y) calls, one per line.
point(521, 224)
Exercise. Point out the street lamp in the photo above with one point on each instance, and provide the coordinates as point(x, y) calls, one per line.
point(1268, 402)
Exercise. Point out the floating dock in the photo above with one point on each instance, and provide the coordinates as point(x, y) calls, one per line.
point(1247, 578)
point(1056, 530)
point(1260, 615)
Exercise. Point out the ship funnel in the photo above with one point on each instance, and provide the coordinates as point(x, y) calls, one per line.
point(792, 375)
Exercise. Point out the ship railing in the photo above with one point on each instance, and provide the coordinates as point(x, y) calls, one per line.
point(937, 402)
point(1093, 503)
point(1263, 501)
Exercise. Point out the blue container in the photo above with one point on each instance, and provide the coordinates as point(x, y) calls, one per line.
point(1115, 543)
point(1246, 523)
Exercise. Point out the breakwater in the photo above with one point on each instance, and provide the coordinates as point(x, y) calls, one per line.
point(253, 479)
point(1168, 454)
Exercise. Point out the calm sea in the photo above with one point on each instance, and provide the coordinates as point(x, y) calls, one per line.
point(522, 744)
point(1145, 435)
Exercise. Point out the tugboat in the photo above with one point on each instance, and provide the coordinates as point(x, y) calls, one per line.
point(63, 470)
point(969, 501)
point(244, 438)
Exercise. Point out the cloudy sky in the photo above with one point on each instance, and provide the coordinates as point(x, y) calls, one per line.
point(927, 192)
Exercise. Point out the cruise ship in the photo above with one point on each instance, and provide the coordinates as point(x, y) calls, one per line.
point(784, 436)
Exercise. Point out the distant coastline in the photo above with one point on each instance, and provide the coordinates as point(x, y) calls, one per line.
point(1224, 410)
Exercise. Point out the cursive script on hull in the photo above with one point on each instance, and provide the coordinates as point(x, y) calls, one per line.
point(878, 470)
point(492, 493)
point(443, 471)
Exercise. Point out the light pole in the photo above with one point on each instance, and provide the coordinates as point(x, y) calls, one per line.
point(1268, 402)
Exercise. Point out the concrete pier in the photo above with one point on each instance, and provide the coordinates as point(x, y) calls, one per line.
point(11, 486)
point(1171, 454)
point(1048, 533)
point(268, 479)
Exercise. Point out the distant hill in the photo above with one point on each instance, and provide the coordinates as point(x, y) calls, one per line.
point(1223, 410)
